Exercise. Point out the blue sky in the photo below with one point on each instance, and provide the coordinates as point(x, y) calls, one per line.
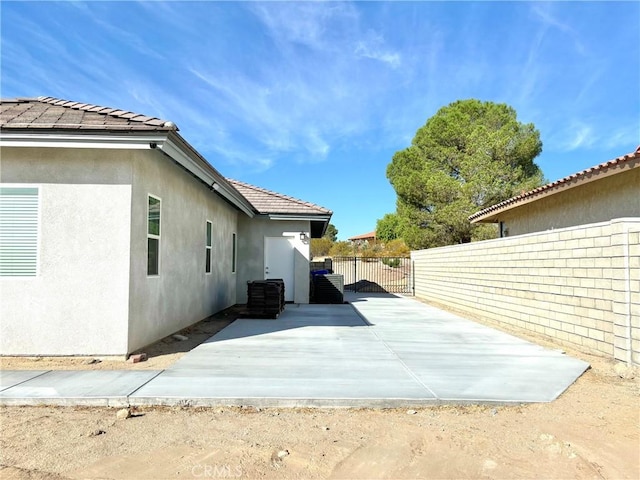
point(313, 99)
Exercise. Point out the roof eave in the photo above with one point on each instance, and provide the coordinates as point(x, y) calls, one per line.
point(182, 152)
point(299, 216)
point(318, 222)
point(139, 140)
point(168, 142)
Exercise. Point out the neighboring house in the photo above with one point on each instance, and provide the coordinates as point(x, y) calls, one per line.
point(115, 232)
point(364, 239)
point(607, 191)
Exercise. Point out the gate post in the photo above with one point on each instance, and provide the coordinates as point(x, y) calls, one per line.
point(355, 274)
point(413, 277)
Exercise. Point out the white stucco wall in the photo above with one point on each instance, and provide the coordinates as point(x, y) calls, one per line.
point(183, 293)
point(93, 296)
point(251, 239)
point(78, 302)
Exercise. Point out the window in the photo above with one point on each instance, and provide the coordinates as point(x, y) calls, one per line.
point(153, 236)
point(233, 254)
point(19, 231)
point(207, 267)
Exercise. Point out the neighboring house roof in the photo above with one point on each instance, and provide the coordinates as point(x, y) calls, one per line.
point(364, 236)
point(612, 167)
point(268, 202)
point(53, 113)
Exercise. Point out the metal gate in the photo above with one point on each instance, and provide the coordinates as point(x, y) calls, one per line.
point(375, 274)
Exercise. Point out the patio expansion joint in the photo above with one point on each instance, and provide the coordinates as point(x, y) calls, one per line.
point(404, 365)
point(24, 381)
point(372, 328)
point(142, 385)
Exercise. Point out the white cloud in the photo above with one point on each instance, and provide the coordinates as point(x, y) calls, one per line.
point(316, 145)
point(593, 133)
point(543, 11)
point(580, 136)
point(623, 136)
point(313, 24)
point(238, 155)
point(375, 50)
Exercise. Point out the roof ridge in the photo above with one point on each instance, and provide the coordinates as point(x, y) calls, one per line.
point(280, 195)
point(573, 177)
point(112, 112)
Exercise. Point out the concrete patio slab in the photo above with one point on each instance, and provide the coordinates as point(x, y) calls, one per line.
point(11, 378)
point(322, 355)
point(463, 361)
point(379, 351)
point(382, 350)
point(69, 387)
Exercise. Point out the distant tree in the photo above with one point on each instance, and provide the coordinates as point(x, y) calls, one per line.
point(331, 233)
point(387, 228)
point(320, 247)
point(468, 156)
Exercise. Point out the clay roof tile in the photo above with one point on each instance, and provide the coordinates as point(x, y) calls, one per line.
point(54, 113)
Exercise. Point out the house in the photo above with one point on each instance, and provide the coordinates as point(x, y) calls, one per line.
point(364, 239)
point(264, 231)
point(607, 191)
point(115, 231)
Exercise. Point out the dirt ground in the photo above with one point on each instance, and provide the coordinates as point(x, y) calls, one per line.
point(591, 432)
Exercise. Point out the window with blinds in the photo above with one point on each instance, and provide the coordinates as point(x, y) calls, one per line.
point(19, 231)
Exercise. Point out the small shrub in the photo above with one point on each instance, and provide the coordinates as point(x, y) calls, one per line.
point(391, 262)
point(396, 248)
point(369, 255)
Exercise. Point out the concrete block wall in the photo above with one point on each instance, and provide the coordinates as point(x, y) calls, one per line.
point(578, 285)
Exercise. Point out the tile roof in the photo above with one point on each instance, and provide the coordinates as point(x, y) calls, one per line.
point(268, 202)
point(630, 160)
point(364, 236)
point(52, 113)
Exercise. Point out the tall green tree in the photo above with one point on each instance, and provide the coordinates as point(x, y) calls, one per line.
point(387, 228)
point(468, 156)
point(331, 233)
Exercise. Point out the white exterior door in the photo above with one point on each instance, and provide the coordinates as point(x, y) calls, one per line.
point(279, 262)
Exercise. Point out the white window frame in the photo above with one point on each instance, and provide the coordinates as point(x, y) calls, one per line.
point(38, 188)
point(234, 253)
point(208, 247)
point(153, 236)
